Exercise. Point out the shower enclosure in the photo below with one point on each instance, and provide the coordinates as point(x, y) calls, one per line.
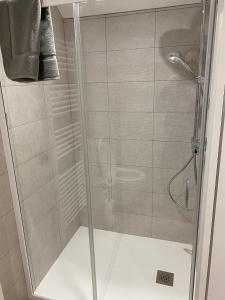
point(107, 161)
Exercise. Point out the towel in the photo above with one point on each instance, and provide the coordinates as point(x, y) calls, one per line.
point(27, 41)
point(48, 66)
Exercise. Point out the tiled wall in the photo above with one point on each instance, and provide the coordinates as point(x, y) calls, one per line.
point(140, 114)
point(45, 137)
point(11, 269)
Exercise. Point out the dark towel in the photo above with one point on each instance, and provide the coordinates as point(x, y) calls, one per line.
point(48, 68)
point(27, 45)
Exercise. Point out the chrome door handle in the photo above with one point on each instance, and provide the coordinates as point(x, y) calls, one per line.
point(187, 193)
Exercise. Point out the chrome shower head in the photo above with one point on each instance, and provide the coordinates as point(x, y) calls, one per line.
point(176, 58)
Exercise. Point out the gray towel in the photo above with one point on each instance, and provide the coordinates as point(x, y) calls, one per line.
point(27, 41)
point(48, 67)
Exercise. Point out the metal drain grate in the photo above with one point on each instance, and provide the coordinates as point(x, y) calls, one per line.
point(165, 278)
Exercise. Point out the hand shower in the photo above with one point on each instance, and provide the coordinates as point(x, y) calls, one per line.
point(176, 58)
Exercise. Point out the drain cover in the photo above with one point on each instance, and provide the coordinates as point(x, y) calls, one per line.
point(165, 278)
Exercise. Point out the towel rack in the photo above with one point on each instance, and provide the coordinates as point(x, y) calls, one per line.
point(46, 3)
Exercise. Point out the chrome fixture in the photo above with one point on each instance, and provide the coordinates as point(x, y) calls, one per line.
point(176, 58)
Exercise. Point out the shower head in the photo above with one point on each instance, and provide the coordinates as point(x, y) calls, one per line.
point(176, 58)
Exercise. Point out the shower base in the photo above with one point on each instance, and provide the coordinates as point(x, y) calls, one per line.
point(126, 267)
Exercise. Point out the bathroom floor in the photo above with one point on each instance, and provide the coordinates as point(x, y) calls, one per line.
point(126, 267)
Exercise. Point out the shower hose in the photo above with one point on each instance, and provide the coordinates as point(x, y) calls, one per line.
point(193, 157)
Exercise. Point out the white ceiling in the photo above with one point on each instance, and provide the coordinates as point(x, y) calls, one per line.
point(98, 7)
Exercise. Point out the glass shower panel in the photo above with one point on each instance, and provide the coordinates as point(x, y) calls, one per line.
point(45, 136)
point(140, 110)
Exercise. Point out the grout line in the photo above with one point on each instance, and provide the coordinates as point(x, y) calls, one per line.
point(153, 125)
point(109, 116)
point(142, 81)
point(141, 48)
point(136, 112)
point(138, 166)
point(187, 141)
point(144, 215)
point(139, 140)
point(136, 81)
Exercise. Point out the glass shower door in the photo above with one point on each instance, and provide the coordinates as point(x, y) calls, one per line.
point(139, 83)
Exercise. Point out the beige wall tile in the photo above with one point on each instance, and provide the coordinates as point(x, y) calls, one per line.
point(96, 97)
point(171, 155)
point(100, 198)
point(5, 195)
point(6, 275)
point(172, 230)
point(10, 229)
point(55, 13)
point(161, 178)
point(132, 202)
point(33, 174)
point(30, 140)
point(163, 207)
point(60, 121)
point(173, 126)
point(130, 31)
point(16, 263)
point(131, 152)
point(175, 96)
point(131, 96)
point(70, 230)
point(93, 34)
point(178, 26)
point(44, 259)
point(95, 67)
point(131, 65)
point(64, 163)
point(137, 126)
point(3, 167)
point(103, 220)
point(36, 206)
point(40, 235)
point(10, 269)
point(18, 291)
point(98, 150)
point(25, 104)
point(3, 239)
point(133, 224)
point(100, 175)
point(98, 125)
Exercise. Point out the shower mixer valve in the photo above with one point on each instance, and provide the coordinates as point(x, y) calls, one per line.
point(195, 145)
